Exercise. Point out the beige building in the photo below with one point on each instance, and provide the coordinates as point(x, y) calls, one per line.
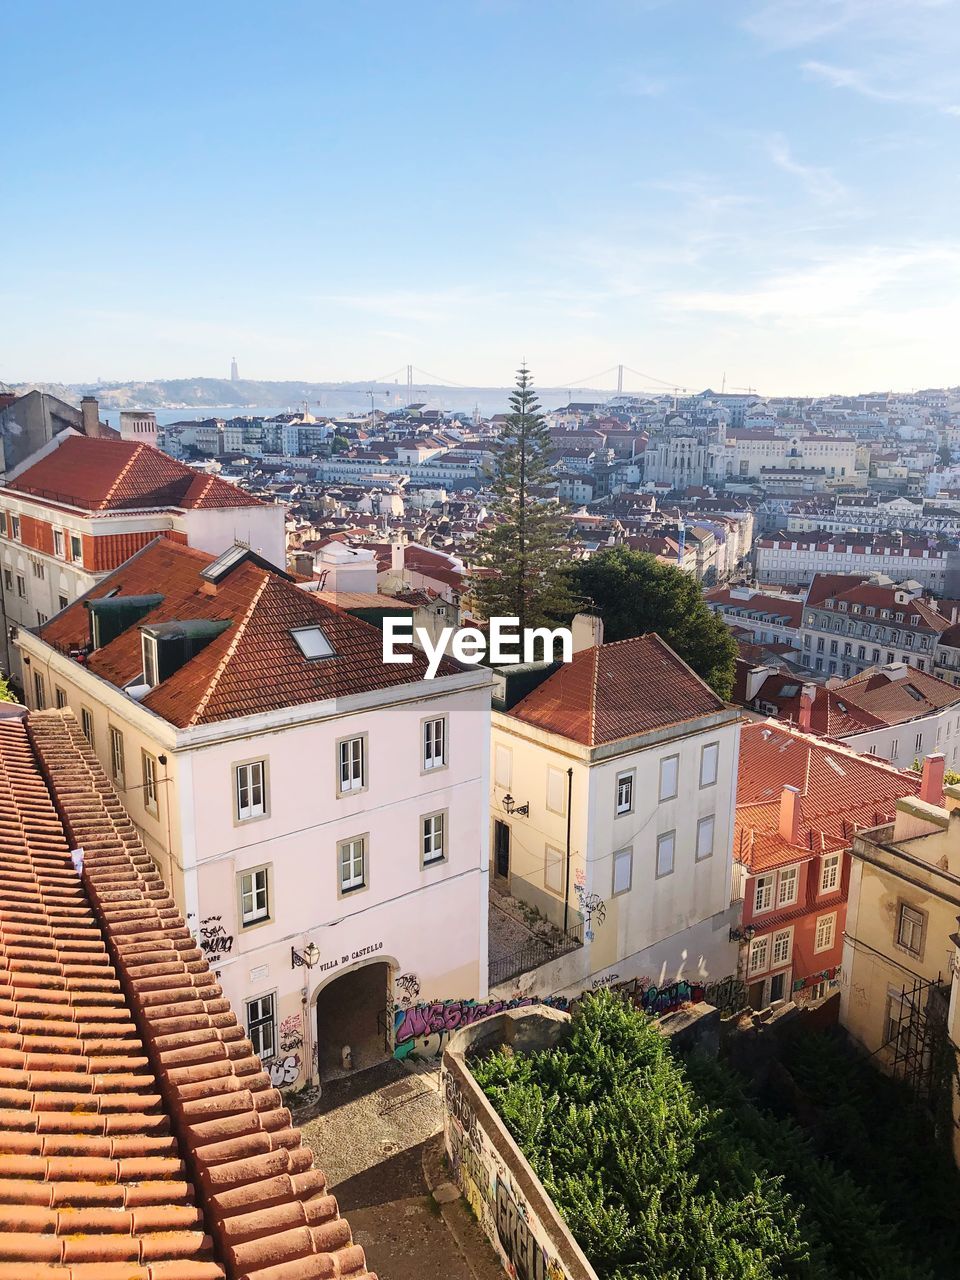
point(900, 946)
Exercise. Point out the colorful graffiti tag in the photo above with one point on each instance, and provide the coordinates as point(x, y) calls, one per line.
point(421, 1030)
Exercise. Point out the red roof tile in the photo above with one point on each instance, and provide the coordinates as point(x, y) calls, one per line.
point(616, 691)
point(140, 1134)
point(101, 474)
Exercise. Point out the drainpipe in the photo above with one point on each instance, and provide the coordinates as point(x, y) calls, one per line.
point(566, 889)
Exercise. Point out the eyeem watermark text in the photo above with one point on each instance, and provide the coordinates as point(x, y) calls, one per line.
point(468, 645)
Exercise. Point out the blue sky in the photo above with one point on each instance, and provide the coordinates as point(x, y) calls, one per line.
point(762, 188)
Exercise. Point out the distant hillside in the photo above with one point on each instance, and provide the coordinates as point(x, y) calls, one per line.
point(334, 397)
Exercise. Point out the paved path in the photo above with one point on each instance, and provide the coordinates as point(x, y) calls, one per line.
point(368, 1133)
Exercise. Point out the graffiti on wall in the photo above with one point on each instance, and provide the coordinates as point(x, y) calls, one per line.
point(421, 1030)
point(408, 988)
point(522, 1243)
point(284, 1071)
point(291, 1033)
point(592, 908)
point(729, 995)
point(214, 940)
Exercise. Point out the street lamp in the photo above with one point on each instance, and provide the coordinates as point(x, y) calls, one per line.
point(511, 806)
point(306, 960)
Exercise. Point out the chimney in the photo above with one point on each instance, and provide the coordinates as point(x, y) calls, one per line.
point(807, 697)
point(790, 814)
point(91, 416)
point(931, 780)
point(756, 679)
point(587, 631)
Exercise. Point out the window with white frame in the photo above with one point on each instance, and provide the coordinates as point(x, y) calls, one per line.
point(825, 932)
point(894, 748)
point(666, 846)
point(918, 745)
point(622, 871)
point(787, 886)
point(625, 792)
point(433, 837)
point(782, 946)
point(705, 830)
point(116, 755)
point(250, 790)
point(86, 724)
point(669, 774)
point(149, 646)
point(76, 548)
point(149, 765)
point(759, 950)
point(21, 586)
point(254, 896)
point(553, 870)
point(763, 894)
point(15, 527)
point(502, 766)
point(352, 856)
point(39, 691)
point(352, 765)
point(435, 743)
point(830, 873)
point(910, 923)
point(556, 790)
point(38, 569)
point(262, 1026)
point(709, 760)
point(58, 542)
point(62, 602)
point(60, 697)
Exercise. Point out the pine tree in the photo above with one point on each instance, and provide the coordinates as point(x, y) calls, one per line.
point(524, 546)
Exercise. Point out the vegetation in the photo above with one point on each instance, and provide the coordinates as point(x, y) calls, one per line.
point(634, 592)
point(6, 693)
point(524, 545)
point(663, 1170)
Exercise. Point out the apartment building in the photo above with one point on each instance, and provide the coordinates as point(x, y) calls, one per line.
point(790, 558)
point(799, 803)
point(745, 455)
point(84, 504)
point(319, 816)
point(764, 617)
point(612, 809)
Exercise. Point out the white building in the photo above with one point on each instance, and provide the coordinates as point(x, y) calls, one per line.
point(797, 557)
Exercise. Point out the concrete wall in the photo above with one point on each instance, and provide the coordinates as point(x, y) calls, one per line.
point(216, 529)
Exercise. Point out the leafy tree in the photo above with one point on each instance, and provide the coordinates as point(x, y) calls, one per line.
point(6, 693)
point(635, 592)
point(524, 545)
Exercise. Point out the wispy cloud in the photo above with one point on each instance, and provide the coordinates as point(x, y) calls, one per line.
point(817, 181)
point(896, 87)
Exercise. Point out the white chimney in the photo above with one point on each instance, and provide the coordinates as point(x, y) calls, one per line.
point(587, 631)
point(756, 679)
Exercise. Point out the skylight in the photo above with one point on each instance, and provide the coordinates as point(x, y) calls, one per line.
point(914, 693)
point(833, 765)
point(313, 643)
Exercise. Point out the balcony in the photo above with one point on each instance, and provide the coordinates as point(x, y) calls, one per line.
point(521, 939)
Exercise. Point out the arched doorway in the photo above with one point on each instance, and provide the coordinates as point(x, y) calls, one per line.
point(351, 1010)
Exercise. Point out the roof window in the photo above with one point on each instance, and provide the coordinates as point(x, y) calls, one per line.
point(312, 643)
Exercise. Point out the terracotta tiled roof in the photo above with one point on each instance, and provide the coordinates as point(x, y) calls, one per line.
point(100, 474)
point(254, 665)
point(618, 690)
point(839, 791)
point(140, 1137)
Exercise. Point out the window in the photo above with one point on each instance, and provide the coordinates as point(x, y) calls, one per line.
point(251, 790)
point(894, 748)
point(149, 765)
point(782, 946)
point(312, 643)
point(434, 743)
point(918, 745)
point(625, 792)
point(21, 586)
point(149, 645)
point(787, 888)
point(116, 754)
point(261, 1026)
point(763, 894)
point(553, 870)
point(665, 849)
point(39, 692)
point(758, 954)
point(254, 896)
point(15, 527)
point(705, 828)
point(669, 769)
point(60, 697)
point(62, 602)
point(86, 724)
point(556, 790)
point(830, 873)
point(709, 761)
point(58, 542)
point(433, 838)
point(826, 928)
point(502, 766)
point(910, 929)
point(353, 859)
point(8, 579)
point(352, 765)
point(41, 618)
point(76, 550)
point(38, 569)
point(623, 871)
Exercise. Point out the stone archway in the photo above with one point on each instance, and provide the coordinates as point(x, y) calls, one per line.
point(352, 1010)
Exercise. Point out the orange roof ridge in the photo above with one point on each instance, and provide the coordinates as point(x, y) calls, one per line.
point(230, 651)
point(267, 1210)
point(121, 475)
